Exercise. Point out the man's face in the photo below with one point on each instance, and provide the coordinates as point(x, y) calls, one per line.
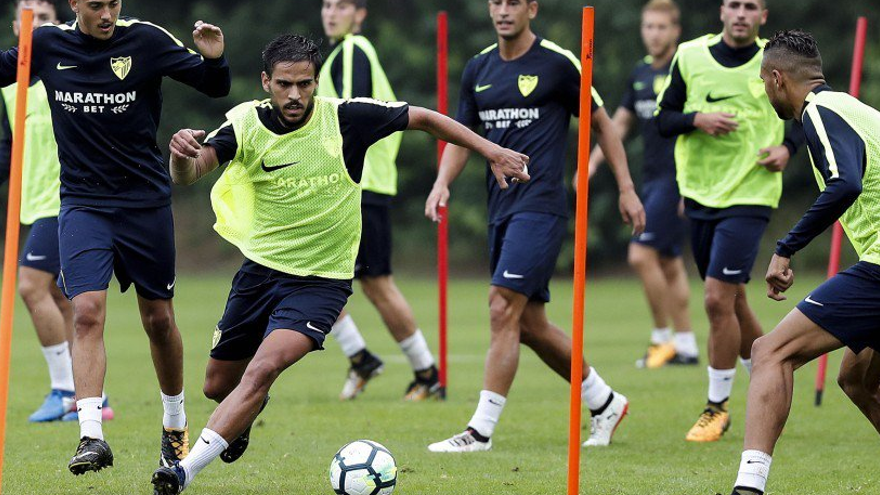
point(44, 13)
point(773, 86)
point(512, 17)
point(659, 32)
point(97, 18)
point(743, 18)
point(341, 17)
point(292, 88)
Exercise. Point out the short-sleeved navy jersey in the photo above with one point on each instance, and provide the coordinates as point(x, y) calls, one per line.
point(106, 100)
point(526, 105)
point(640, 98)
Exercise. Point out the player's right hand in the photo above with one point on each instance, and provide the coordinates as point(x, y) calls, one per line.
point(437, 199)
point(508, 163)
point(185, 144)
point(779, 277)
point(716, 124)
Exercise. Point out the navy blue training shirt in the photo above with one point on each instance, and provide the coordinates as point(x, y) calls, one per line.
point(526, 105)
point(640, 98)
point(106, 100)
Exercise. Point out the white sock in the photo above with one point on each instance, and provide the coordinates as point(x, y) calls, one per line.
point(60, 366)
point(208, 447)
point(488, 411)
point(175, 416)
point(747, 363)
point(720, 384)
point(661, 335)
point(416, 349)
point(686, 344)
point(348, 336)
point(753, 470)
point(90, 417)
point(594, 391)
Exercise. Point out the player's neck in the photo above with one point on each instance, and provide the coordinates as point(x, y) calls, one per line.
point(731, 42)
point(800, 95)
point(663, 59)
point(510, 49)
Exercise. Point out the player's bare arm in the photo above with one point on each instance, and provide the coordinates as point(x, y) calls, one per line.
point(451, 164)
point(631, 208)
point(190, 161)
point(209, 40)
point(623, 121)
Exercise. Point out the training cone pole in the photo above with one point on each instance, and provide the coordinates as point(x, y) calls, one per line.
point(580, 253)
point(855, 86)
point(13, 212)
point(443, 226)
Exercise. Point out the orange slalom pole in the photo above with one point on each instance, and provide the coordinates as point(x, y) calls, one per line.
point(13, 213)
point(443, 226)
point(580, 253)
point(855, 86)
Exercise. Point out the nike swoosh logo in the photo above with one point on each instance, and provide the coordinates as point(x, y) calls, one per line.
point(203, 439)
point(507, 274)
point(480, 89)
point(276, 167)
point(752, 461)
point(726, 271)
point(313, 327)
point(815, 303)
point(647, 236)
point(171, 285)
point(494, 403)
point(31, 257)
point(64, 67)
point(710, 99)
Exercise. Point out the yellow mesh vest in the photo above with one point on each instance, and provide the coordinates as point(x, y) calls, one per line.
point(861, 221)
point(287, 201)
point(380, 169)
point(722, 171)
point(40, 182)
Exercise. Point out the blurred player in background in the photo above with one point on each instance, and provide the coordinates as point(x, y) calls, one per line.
point(353, 71)
point(729, 156)
point(290, 200)
point(843, 139)
point(103, 76)
point(39, 266)
point(523, 91)
point(656, 253)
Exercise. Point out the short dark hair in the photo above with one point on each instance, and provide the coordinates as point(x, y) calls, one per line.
point(291, 48)
point(795, 51)
point(50, 2)
point(359, 4)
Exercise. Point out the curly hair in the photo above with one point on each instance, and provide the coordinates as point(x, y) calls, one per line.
point(794, 41)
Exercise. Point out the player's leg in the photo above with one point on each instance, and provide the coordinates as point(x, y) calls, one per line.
point(684, 340)
point(398, 317)
point(553, 346)
point(860, 379)
point(646, 262)
point(749, 326)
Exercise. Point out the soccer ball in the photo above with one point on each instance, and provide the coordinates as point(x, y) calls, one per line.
point(363, 467)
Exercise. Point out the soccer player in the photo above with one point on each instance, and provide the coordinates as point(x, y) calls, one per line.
point(843, 140)
point(523, 91)
point(103, 76)
point(353, 71)
point(290, 200)
point(730, 153)
point(656, 254)
point(51, 313)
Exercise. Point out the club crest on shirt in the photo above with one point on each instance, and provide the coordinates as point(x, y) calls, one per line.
point(658, 83)
point(216, 339)
point(121, 66)
point(527, 84)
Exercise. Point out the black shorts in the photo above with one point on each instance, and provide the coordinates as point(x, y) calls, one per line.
point(522, 252)
point(41, 249)
point(726, 248)
point(374, 254)
point(665, 229)
point(263, 300)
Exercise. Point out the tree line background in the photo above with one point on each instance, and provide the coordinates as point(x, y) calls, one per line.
point(403, 32)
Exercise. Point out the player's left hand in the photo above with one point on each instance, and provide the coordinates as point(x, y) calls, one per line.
point(779, 277)
point(209, 40)
point(632, 211)
point(774, 158)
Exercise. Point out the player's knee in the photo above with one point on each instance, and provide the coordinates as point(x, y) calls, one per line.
point(501, 310)
point(376, 288)
point(853, 385)
point(718, 304)
point(88, 318)
point(260, 376)
point(159, 323)
point(214, 389)
point(638, 259)
point(30, 290)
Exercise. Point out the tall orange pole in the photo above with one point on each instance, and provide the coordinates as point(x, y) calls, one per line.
point(443, 226)
point(13, 213)
point(580, 253)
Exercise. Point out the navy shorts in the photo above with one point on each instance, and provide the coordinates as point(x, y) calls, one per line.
point(41, 248)
point(137, 244)
point(263, 300)
point(374, 254)
point(522, 252)
point(665, 228)
point(726, 248)
point(848, 306)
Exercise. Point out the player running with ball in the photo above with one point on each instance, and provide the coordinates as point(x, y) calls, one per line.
point(290, 200)
point(523, 91)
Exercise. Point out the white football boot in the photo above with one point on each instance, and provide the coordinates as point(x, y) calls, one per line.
point(603, 426)
point(463, 442)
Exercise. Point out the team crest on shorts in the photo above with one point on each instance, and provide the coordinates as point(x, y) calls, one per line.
point(527, 84)
point(121, 66)
point(216, 339)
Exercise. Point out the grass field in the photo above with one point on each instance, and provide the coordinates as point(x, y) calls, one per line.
point(826, 450)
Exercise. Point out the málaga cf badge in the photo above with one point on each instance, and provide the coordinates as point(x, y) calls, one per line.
point(121, 66)
point(527, 84)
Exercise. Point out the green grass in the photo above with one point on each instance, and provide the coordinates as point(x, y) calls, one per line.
point(828, 450)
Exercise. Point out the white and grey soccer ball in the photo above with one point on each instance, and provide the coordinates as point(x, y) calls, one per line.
point(363, 467)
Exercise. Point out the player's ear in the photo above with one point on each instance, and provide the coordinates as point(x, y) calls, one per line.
point(73, 6)
point(778, 80)
point(360, 15)
point(764, 16)
point(533, 9)
point(265, 80)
